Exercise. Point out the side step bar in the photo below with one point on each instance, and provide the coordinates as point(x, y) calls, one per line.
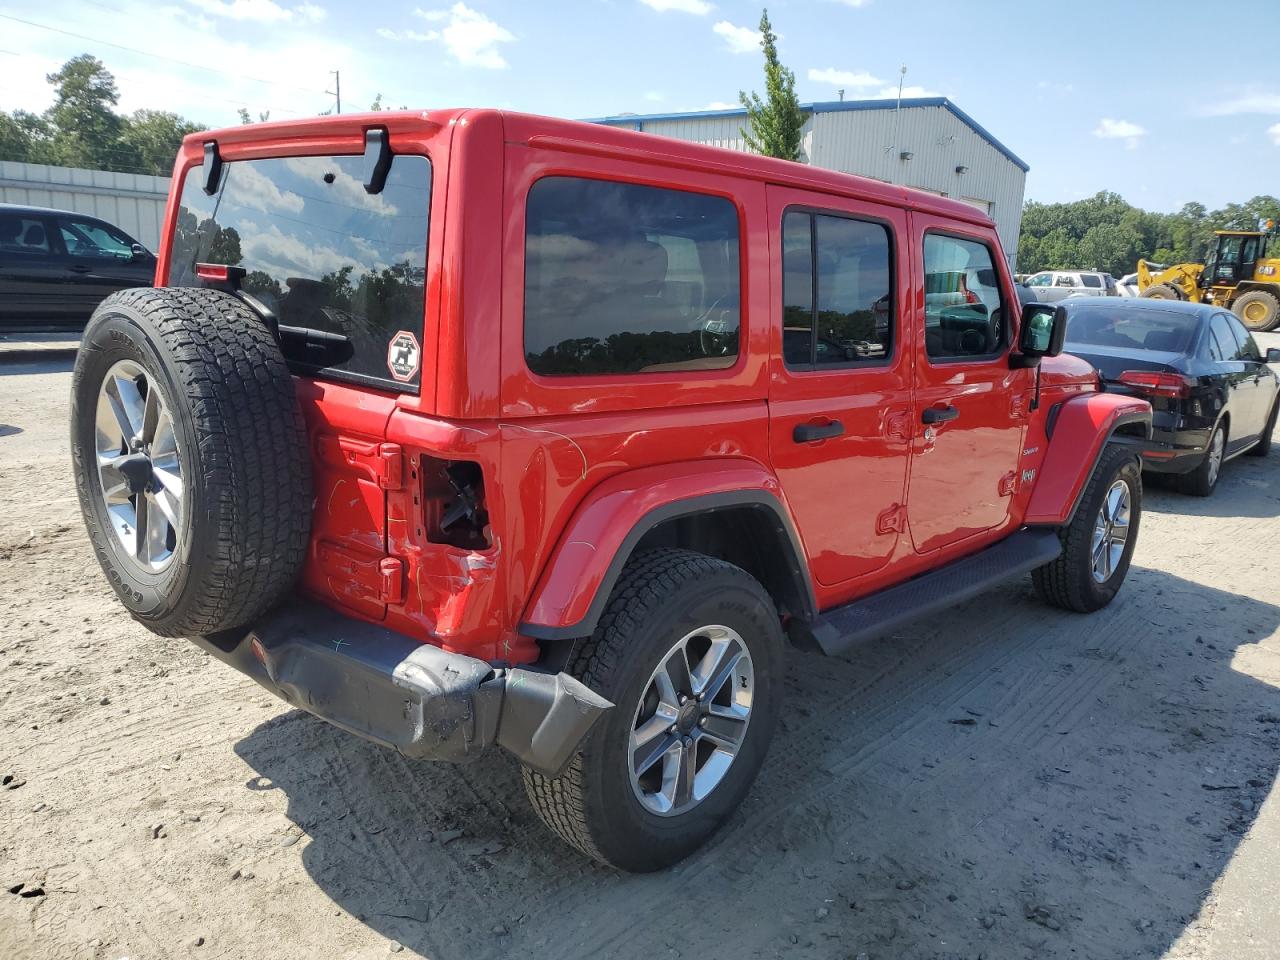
point(842, 628)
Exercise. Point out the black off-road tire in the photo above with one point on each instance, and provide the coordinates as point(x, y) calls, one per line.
point(1266, 313)
point(1162, 291)
point(1203, 480)
point(242, 446)
point(1068, 581)
point(661, 596)
point(1263, 446)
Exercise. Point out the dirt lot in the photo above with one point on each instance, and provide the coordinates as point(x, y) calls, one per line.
point(1003, 782)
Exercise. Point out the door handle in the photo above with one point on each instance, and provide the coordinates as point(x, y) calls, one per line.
point(939, 414)
point(809, 432)
point(79, 268)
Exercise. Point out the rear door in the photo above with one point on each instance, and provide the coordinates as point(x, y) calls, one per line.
point(31, 275)
point(1259, 384)
point(970, 408)
point(839, 403)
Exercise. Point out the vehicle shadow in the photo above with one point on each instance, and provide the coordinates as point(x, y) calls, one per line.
point(1006, 780)
point(26, 367)
point(1249, 487)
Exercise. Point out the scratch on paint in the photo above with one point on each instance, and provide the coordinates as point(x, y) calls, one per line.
point(333, 494)
point(552, 433)
point(589, 546)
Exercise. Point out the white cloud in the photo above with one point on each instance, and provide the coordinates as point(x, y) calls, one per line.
point(414, 35)
point(1125, 130)
point(470, 36)
point(1274, 133)
point(738, 39)
point(721, 105)
point(250, 187)
point(698, 7)
point(260, 11)
point(908, 93)
point(346, 189)
point(854, 3)
point(844, 78)
point(288, 255)
point(1257, 102)
point(653, 96)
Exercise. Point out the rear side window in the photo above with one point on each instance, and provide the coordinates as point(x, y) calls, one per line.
point(624, 278)
point(1091, 280)
point(23, 235)
point(964, 313)
point(836, 291)
point(343, 270)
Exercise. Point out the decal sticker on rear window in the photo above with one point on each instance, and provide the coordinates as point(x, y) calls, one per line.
point(403, 355)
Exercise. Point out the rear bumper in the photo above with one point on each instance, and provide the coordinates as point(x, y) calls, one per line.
point(411, 696)
point(1175, 451)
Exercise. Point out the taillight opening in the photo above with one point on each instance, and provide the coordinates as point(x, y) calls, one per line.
point(1156, 383)
point(453, 503)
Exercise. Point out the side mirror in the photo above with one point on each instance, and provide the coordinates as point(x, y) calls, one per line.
point(1042, 332)
point(139, 251)
point(1273, 355)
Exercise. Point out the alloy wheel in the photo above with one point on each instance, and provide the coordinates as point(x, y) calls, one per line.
point(1215, 456)
point(691, 720)
point(139, 469)
point(1110, 531)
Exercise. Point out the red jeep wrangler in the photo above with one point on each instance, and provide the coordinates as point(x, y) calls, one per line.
point(463, 428)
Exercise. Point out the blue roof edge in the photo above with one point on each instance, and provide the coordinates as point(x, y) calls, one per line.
point(831, 106)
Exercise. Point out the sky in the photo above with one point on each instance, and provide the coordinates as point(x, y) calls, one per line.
point(1079, 91)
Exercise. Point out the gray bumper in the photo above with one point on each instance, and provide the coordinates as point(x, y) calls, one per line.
point(414, 697)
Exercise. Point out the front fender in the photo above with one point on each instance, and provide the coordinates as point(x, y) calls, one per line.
point(595, 545)
point(1078, 431)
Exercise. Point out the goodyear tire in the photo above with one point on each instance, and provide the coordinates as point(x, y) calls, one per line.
point(1082, 579)
point(1258, 310)
point(190, 458)
point(655, 778)
point(1162, 291)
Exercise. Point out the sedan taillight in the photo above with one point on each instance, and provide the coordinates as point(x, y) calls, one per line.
point(1157, 384)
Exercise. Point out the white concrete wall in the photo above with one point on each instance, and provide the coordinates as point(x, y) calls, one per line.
point(133, 202)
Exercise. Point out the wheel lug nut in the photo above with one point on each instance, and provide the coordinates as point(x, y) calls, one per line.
point(702, 722)
point(688, 741)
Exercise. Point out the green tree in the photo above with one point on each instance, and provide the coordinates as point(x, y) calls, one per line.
point(85, 128)
point(24, 137)
point(151, 139)
point(245, 118)
point(777, 120)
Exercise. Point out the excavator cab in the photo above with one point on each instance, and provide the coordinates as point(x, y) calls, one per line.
point(1233, 260)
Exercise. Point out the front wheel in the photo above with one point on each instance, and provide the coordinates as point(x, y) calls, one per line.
point(1259, 310)
point(1098, 543)
point(689, 649)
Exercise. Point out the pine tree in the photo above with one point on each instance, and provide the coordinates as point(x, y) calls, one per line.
point(775, 122)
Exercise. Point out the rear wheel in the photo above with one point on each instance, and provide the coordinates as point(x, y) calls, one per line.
point(1162, 291)
point(1098, 543)
point(1202, 481)
point(1258, 310)
point(689, 649)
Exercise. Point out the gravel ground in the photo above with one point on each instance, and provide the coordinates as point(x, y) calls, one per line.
point(1005, 781)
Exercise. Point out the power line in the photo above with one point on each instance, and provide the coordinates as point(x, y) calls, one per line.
point(157, 56)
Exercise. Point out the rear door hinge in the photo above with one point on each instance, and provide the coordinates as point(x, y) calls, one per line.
point(893, 520)
point(1009, 483)
point(390, 468)
point(391, 572)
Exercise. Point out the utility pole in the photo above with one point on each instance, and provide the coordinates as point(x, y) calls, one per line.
point(336, 92)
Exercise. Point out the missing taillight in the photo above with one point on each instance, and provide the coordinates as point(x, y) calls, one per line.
point(453, 503)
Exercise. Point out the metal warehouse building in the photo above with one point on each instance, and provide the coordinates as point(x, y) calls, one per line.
point(928, 143)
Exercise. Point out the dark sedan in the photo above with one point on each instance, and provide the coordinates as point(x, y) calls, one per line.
point(56, 266)
point(1212, 394)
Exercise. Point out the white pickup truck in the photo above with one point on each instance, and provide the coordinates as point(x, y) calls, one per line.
point(1049, 286)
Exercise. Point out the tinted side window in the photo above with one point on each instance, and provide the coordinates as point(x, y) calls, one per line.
point(837, 299)
point(963, 310)
point(623, 278)
point(1220, 330)
point(1090, 280)
point(23, 235)
point(1248, 347)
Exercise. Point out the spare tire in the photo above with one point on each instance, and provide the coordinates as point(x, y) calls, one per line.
point(190, 458)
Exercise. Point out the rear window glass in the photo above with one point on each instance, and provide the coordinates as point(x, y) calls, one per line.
point(323, 255)
point(624, 278)
point(1090, 280)
point(1132, 330)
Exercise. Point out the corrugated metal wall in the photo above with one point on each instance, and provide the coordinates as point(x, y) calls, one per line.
point(870, 142)
point(133, 202)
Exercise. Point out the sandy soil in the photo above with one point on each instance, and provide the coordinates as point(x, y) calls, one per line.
point(1005, 781)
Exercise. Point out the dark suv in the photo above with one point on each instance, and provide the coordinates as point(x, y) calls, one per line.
point(57, 266)
point(466, 428)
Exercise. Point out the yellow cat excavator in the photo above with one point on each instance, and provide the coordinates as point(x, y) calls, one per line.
point(1242, 274)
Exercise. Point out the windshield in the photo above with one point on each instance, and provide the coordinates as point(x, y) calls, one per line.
point(1159, 330)
point(323, 255)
